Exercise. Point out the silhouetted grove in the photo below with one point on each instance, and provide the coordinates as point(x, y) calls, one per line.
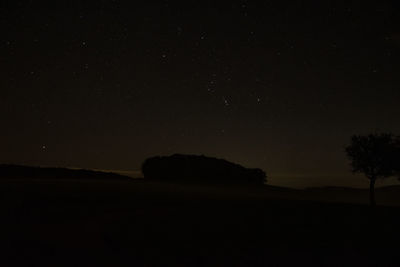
point(375, 155)
point(17, 171)
point(396, 163)
point(201, 169)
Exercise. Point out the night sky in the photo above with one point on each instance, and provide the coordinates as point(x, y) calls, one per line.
point(271, 84)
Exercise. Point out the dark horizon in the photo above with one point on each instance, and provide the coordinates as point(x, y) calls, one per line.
point(281, 180)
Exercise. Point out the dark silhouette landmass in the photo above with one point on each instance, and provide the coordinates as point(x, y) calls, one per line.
point(97, 221)
point(17, 171)
point(153, 223)
point(193, 168)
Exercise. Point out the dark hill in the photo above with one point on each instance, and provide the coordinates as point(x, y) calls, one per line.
point(150, 223)
point(28, 172)
point(193, 168)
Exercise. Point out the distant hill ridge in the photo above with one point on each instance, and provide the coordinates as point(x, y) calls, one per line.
point(9, 171)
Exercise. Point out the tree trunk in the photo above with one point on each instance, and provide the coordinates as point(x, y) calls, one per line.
point(372, 192)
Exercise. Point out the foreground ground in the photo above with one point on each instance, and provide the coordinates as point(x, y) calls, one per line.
point(126, 223)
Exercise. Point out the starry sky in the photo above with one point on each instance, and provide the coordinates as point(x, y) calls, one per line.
point(279, 85)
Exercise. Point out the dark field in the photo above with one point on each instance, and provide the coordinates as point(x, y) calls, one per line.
point(139, 223)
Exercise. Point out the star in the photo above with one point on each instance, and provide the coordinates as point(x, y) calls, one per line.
point(226, 102)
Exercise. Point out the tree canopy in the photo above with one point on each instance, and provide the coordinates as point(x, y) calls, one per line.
point(191, 168)
point(375, 155)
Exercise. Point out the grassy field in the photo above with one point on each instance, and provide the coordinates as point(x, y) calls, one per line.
point(141, 223)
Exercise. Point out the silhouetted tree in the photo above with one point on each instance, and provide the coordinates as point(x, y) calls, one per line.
point(190, 168)
point(375, 155)
point(396, 162)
